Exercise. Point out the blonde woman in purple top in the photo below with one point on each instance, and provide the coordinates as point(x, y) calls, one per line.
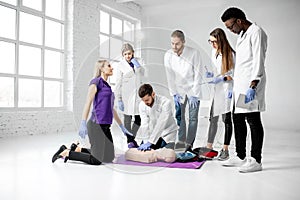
point(97, 128)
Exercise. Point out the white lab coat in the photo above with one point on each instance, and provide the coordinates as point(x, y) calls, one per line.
point(250, 65)
point(221, 102)
point(127, 85)
point(184, 72)
point(157, 121)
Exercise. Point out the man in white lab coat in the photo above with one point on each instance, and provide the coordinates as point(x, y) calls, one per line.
point(184, 81)
point(250, 80)
point(158, 125)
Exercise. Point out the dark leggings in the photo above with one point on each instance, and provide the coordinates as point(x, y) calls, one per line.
point(102, 147)
point(135, 126)
point(213, 126)
point(84, 156)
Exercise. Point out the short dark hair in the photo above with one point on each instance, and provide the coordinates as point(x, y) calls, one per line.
point(179, 34)
point(233, 13)
point(145, 89)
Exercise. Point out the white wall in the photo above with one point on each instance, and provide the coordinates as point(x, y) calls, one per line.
point(198, 18)
point(86, 29)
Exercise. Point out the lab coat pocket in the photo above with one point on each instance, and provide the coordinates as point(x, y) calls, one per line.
point(253, 105)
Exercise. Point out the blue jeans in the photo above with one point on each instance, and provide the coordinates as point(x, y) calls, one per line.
point(187, 136)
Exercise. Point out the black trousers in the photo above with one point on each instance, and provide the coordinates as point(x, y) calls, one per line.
point(102, 147)
point(84, 156)
point(257, 134)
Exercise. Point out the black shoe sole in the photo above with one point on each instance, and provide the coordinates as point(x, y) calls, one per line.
point(56, 155)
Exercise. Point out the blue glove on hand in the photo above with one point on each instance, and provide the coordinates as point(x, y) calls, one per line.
point(250, 94)
point(132, 144)
point(229, 95)
point(209, 74)
point(124, 130)
point(135, 63)
point(177, 99)
point(217, 80)
point(83, 129)
point(193, 101)
point(145, 146)
point(121, 105)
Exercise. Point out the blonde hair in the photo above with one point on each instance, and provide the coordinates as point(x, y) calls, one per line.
point(127, 47)
point(98, 66)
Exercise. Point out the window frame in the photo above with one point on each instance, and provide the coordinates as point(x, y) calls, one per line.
point(123, 17)
point(19, 7)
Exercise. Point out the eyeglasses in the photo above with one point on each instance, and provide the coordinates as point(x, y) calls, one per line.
point(212, 41)
point(231, 27)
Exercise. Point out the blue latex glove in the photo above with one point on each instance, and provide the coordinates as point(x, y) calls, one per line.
point(229, 95)
point(193, 101)
point(217, 80)
point(121, 105)
point(135, 63)
point(124, 130)
point(209, 74)
point(132, 144)
point(145, 146)
point(177, 99)
point(83, 129)
point(250, 94)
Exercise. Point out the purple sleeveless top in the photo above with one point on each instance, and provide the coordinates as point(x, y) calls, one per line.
point(102, 112)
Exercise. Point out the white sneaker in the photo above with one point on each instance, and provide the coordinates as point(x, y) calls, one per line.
point(250, 166)
point(234, 161)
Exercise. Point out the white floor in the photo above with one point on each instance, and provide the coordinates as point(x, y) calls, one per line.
point(26, 172)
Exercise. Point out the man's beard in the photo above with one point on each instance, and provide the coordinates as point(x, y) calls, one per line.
point(151, 104)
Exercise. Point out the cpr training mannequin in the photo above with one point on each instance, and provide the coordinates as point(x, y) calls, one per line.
point(150, 156)
point(158, 128)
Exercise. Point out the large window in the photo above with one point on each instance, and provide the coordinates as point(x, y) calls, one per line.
point(115, 29)
point(31, 53)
